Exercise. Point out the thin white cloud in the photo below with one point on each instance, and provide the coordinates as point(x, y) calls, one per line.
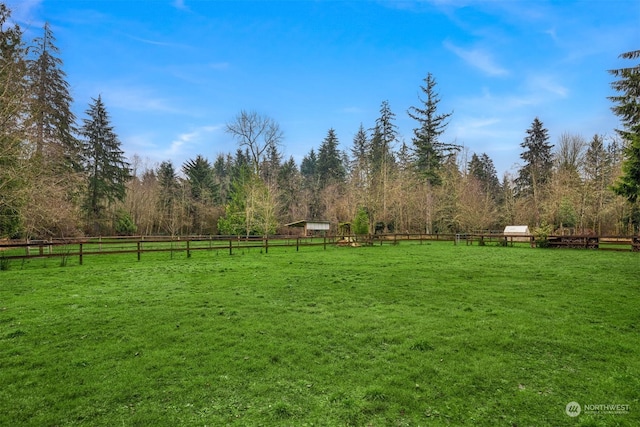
point(143, 141)
point(137, 99)
point(179, 4)
point(157, 42)
point(548, 84)
point(23, 12)
point(185, 141)
point(477, 58)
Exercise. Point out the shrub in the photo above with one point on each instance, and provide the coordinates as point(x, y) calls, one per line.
point(361, 222)
point(124, 224)
point(542, 233)
point(4, 263)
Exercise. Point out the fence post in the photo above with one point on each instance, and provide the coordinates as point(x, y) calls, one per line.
point(230, 247)
point(80, 253)
point(266, 244)
point(139, 246)
point(297, 243)
point(325, 243)
point(188, 251)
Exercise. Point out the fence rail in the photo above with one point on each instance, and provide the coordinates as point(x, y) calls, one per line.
point(612, 243)
point(188, 244)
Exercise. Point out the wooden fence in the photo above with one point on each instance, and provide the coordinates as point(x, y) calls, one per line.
point(615, 243)
point(80, 248)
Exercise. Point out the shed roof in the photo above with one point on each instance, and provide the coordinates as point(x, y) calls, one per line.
point(304, 222)
point(516, 230)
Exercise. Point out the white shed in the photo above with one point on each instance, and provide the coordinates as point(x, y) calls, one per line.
point(311, 226)
point(517, 233)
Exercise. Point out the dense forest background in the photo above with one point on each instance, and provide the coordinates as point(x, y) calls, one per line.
point(63, 177)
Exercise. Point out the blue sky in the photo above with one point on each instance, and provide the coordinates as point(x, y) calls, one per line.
point(173, 72)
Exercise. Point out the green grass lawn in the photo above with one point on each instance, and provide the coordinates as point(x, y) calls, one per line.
point(431, 334)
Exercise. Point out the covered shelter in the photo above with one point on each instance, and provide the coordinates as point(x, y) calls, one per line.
point(311, 227)
point(517, 233)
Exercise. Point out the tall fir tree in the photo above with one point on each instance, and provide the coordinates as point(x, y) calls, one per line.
point(168, 185)
point(271, 164)
point(628, 109)
point(535, 174)
point(382, 162)
point(309, 166)
point(537, 155)
point(359, 149)
point(104, 161)
point(199, 174)
point(597, 171)
point(289, 183)
point(429, 151)
point(482, 168)
point(51, 123)
point(383, 140)
point(359, 162)
point(330, 167)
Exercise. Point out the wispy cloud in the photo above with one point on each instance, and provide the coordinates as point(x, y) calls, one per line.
point(477, 58)
point(184, 141)
point(138, 99)
point(179, 4)
point(157, 42)
point(547, 83)
point(23, 12)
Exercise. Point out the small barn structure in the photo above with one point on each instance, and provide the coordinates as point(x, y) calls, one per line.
point(517, 233)
point(311, 227)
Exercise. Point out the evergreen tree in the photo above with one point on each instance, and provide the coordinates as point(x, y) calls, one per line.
point(51, 123)
point(430, 152)
point(534, 176)
point(168, 183)
point(309, 165)
point(330, 168)
point(385, 136)
point(240, 167)
point(199, 175)
point(382, 162)
point(271, 164)
point(482, 168)
point(311, 183)
point(289, 183)
point(359, 149)
point(104, 161)
point(536, 171)
point(628, 109)
point(169, 203)
point(222, 176)
point(203, 191)
point(597, 162)
point(359, 166)
point(361, 222)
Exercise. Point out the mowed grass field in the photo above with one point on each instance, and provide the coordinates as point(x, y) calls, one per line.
point(407, 335)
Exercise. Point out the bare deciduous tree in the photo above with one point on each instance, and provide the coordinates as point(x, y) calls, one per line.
point(256, 133)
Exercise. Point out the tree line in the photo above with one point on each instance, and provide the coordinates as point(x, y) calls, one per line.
point(64, 177)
